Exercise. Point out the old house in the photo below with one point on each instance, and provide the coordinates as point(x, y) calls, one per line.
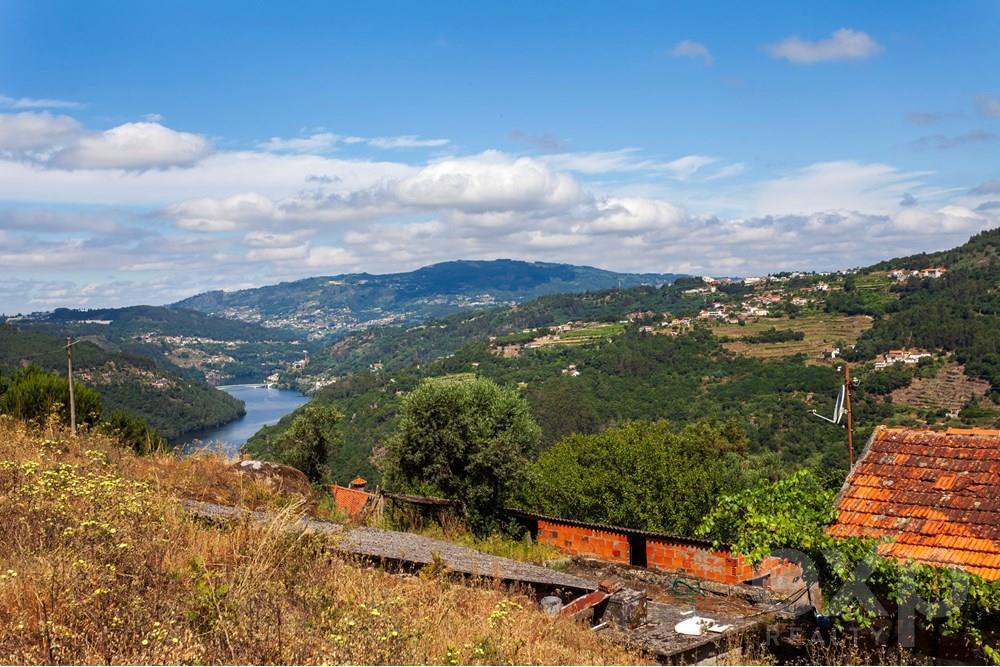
point(935, 493)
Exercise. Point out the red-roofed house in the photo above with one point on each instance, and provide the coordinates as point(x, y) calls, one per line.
point(936, 493)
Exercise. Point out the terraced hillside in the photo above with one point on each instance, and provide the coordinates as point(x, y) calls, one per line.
point(950, 389)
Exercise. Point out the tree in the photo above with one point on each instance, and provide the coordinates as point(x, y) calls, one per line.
point(33, 394)
point(466, 440)
point(311, 441)
point(644, 475)
point(788, 513)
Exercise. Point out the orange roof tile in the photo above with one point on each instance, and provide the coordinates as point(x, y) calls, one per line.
point(937, 494)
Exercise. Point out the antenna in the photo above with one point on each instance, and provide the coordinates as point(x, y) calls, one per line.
point(840, 408)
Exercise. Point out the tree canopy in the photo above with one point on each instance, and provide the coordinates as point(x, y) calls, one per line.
point(644, 475)
point(467, 440)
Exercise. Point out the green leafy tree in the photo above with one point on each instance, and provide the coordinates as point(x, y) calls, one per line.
point(644, 475)
point(33, 394)
point(466, 440)
point(311, 441)
point(788, 513)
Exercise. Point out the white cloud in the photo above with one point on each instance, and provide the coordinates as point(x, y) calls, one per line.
point(329, 257)
point(220, 215)
point(488, 181)
point(27, 132)
point(406, 141)
point(134, 146)
point(843, 44)
point(627, 160)
point(691, 49)
point(324, 142)
point(841, 185)
point(36, 103)
point(319, 142)
point(634, 214)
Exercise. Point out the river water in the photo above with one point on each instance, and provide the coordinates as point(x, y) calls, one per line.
point(264, 406)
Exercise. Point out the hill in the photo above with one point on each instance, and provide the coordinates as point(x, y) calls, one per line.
point(587, 361)
point(330, 305)
point(185, 342)
point(172, 404)
point(101, 566)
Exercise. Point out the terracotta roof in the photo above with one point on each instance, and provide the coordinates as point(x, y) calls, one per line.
point(937, 494)
point(359, 481)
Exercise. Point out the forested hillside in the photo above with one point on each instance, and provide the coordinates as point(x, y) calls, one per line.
point(958, 312)
point(582, 384)
point(172, 404)
point(185, 342)
point(331, 305)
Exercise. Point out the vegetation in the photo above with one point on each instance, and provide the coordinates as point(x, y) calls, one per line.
point(171, 404)
point(792, 514)
point(466, 440)
point(34, 395)
point(101, 566)
point(643, 475)
point(774, 335)
point(307, 445)
point(214, 348)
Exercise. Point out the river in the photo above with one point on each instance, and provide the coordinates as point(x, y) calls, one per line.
point(264, 406)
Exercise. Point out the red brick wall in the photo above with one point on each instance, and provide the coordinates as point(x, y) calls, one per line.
point(584, 541)
point(691, 558)
point(349, 501)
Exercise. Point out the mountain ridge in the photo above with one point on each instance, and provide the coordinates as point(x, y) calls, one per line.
point(330, 305)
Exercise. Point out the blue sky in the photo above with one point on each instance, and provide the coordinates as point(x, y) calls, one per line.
point(152, 150)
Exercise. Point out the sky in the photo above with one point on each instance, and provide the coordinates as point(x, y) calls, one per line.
point(150, 151)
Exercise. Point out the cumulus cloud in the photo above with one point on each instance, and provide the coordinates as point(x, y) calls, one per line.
point(222, 215)
point(30, 132)
point(843, 44)
point(488, 181)
point(134, 146)
point(690, 49)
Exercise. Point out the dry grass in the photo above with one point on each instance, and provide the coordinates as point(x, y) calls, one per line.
point(822, 332)
point(100, 566)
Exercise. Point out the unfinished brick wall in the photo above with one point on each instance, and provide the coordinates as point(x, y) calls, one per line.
point(584, 541)
point(691, 557)
point(349, 501)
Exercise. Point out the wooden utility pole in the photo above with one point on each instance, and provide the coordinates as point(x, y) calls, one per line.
point(69, 374)
point(850, 417)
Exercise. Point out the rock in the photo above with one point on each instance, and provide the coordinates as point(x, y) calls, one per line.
point(281, 478)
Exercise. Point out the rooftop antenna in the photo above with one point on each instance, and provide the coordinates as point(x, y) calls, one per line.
point(843, 407)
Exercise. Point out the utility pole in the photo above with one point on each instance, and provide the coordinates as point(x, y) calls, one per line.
point(850, 417)
point(69, 374)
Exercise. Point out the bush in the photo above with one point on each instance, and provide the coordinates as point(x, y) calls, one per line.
point(34, 394)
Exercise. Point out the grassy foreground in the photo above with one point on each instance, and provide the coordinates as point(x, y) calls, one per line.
point(99, 565)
